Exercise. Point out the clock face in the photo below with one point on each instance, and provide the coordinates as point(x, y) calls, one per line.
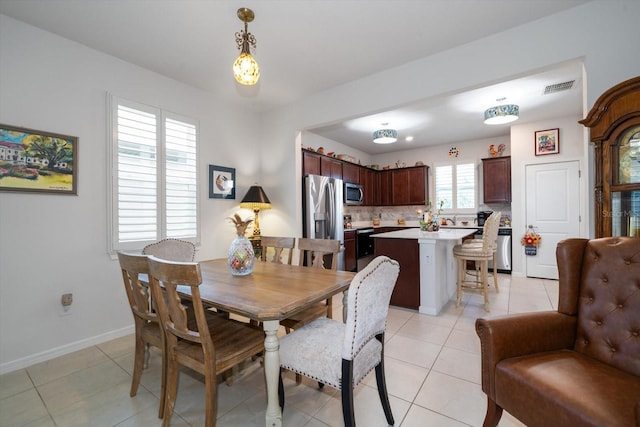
point(629, 157)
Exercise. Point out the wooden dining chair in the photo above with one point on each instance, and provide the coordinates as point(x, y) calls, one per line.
point(279, 246)
point(172, 250)
point(211, 346)
point(316, 252)
point(342, 354)
point(147, 323)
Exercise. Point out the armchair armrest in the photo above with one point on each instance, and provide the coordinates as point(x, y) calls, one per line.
point(503, 337)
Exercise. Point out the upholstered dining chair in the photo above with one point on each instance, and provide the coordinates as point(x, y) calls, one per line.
point(342, 354)
point(211, 346)
point(147, 323)
point(480, 254)
point(172, 250)
point(280, 246)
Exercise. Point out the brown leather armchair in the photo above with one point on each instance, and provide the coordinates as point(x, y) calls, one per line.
point(579, 366)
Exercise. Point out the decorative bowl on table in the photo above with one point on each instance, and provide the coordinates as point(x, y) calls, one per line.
point(429, 226)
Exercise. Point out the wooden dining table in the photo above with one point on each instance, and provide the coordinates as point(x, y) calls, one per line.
point(271, 293)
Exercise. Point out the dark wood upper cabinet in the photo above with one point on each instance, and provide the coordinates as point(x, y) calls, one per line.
point(351, 173)
point(614, 123)
point(496, 179)
point(310, 163)
point(409, 186)
point(330, 167)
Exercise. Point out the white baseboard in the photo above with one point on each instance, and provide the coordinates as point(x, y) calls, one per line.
point(24, 362)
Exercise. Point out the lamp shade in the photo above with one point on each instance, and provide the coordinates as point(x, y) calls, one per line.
point(255, 199)
point(385, 136)
point(501, 114)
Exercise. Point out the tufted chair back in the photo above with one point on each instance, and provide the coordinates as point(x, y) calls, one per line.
point(604, 292)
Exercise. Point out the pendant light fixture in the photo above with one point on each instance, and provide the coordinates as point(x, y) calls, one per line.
point(385, 136)
point(501, 114)
point(245, 69)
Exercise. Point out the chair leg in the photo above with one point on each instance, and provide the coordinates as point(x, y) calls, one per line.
point(211, 397)
point(138, 364)
point(461, 268)
point(485, 283)
point(493, 415)
point(382, 386)
point(172, 391)
point(348, 413)
point(163, 384)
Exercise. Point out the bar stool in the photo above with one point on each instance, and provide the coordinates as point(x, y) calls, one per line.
point(481, 254)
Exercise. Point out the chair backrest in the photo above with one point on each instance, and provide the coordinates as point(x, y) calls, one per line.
point(314, 250)
point(368, 304)
point(599, 282)
point(172, 250)
point(167, 276)
point(134, 265)
point(278, 244)
point(490, 231)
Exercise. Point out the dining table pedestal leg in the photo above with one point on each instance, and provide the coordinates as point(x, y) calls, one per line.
point(273, 415)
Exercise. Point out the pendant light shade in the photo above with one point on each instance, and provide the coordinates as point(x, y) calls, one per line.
point(501, 114)
point(245, 69)
point(385, 136)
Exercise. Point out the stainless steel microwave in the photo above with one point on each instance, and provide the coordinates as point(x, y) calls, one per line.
point(353, 194)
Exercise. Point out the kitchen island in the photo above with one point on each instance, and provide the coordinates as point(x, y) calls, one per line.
point(427, 277)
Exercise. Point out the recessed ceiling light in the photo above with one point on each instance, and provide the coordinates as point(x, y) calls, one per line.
point(409, 138)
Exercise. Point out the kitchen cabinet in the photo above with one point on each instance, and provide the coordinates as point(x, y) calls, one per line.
point(496, 179)
point(614, 122)
point(351, 173)
point(369, 181)
point(409, 186)
point(350, 261)
point(310, 163)
point(330, 167)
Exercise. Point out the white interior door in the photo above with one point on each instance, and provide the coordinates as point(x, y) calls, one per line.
point(553, 209)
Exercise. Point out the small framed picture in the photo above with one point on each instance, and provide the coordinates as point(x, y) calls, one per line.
point(222, 182)
point(547, 142)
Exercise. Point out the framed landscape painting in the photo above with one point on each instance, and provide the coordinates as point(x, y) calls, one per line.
point(38, 161)
point(547, 142)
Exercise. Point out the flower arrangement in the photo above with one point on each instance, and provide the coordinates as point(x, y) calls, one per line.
point(430, 221)
point(531, 238)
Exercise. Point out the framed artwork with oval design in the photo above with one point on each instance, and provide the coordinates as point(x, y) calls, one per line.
point(547, 142)
point(38, 161)
point(222, 182)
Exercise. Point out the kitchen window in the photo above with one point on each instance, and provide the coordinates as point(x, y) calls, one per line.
point(153, 176)
point(456, 184)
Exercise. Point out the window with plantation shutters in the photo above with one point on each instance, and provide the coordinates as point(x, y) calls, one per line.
point(154, 176)
point(456, 184)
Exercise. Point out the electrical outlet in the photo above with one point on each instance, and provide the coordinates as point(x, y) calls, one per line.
point(66, 300)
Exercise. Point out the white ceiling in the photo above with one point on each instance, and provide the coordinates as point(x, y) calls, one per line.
point(307, 46)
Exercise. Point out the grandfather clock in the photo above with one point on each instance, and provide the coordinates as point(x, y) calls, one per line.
point(614, 121)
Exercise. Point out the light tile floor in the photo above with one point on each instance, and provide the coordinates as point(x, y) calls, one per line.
point(432, 368)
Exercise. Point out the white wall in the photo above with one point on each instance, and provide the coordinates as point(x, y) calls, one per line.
point(50, 244)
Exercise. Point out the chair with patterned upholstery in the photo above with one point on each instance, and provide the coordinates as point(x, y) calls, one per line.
point(342, 354)
point(172, 250)
point(147, 324)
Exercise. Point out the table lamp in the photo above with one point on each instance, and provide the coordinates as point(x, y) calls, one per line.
point(255, 199)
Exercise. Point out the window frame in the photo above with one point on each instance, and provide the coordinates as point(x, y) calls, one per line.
point(454, 167)
point(114, 245)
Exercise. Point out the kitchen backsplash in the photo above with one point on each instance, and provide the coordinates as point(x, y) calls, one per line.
point(409, 213)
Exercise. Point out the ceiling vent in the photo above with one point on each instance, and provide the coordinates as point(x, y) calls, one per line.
point(558, 87)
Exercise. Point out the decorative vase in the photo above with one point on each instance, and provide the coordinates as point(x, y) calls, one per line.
point(241, 259)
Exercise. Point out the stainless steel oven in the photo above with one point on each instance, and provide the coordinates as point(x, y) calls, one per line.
point(503, 253)
point(364, 247)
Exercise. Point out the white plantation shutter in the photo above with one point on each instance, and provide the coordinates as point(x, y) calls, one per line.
point(456, 184)
point(154, 185)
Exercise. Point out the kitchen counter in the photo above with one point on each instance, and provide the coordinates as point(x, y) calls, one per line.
point(427, 277)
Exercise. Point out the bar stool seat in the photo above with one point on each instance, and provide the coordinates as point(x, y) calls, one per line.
point(480, 254)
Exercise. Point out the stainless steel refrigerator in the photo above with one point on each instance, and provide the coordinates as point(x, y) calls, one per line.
point(323, 210)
